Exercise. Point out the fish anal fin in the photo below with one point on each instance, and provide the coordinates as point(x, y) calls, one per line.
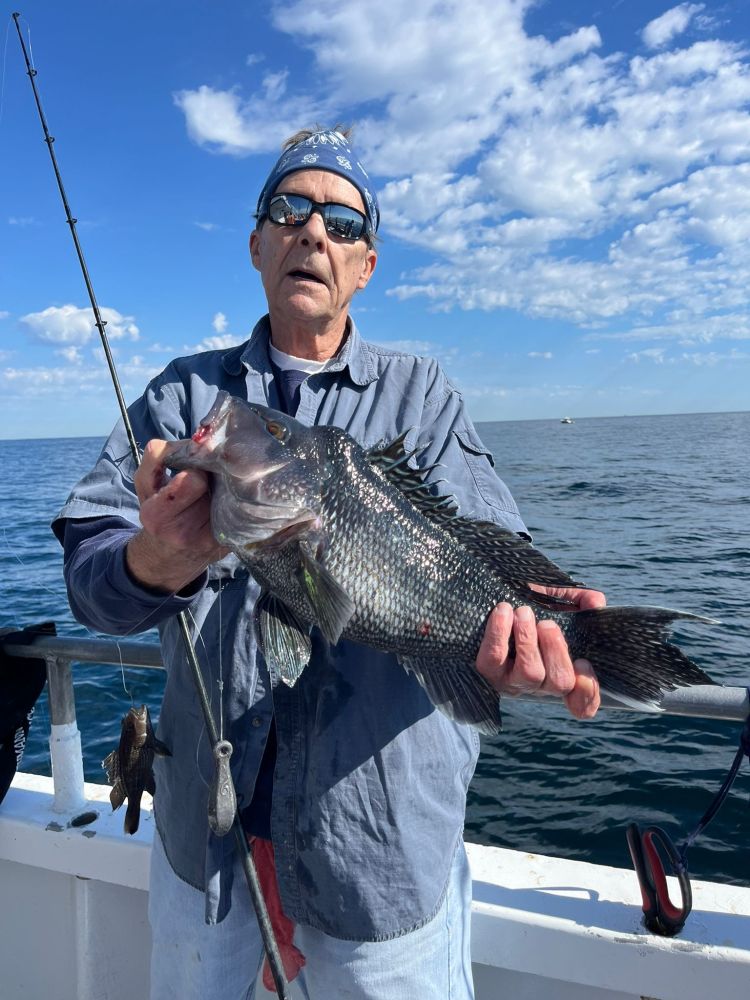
point(459, 692)
point(284, 640)
point(331, 604)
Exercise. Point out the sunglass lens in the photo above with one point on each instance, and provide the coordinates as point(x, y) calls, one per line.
point(344, 221)
point(295, 210)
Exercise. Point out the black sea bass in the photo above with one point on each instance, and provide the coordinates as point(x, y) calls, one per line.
point(130, 767)
point(352, 541)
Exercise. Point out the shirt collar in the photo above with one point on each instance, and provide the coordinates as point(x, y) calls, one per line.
point(253, 354)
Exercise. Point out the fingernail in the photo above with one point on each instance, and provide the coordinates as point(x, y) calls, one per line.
point(546, 624)
point(525, 614)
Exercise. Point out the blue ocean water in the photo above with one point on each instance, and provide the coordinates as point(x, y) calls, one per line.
point(652, 510)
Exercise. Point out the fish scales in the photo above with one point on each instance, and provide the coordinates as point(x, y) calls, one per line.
point(414, 589)
point(355, 543)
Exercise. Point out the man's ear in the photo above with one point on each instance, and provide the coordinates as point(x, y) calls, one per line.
point(368, 266)
point(255, 249)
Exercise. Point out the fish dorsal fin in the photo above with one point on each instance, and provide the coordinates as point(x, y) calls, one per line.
point(502, 551)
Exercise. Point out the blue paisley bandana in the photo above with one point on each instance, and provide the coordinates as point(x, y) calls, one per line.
point(323, 151)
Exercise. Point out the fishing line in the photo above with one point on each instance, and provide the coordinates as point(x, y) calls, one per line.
point(122, 674)
point(19, 560)
point(223, 815)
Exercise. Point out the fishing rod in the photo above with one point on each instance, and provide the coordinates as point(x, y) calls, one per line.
point(223, 815)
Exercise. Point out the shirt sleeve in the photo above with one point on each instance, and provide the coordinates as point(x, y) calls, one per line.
point(102, 593)
point(102, 514)
point(465, 467)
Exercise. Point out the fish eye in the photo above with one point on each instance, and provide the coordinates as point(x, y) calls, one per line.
point(277, 430)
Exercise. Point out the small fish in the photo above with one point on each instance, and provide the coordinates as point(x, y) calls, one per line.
point(130, 767)
point(355, 542)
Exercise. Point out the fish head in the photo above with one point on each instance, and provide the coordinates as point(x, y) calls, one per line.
point(265, 469)
point(135, 726)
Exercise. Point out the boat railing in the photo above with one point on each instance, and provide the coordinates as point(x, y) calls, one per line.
point(59, 654)
point(713, 701)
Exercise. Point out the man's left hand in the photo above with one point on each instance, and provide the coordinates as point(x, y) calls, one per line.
point(542, 660)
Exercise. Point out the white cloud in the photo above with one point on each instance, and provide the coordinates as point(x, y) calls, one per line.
point(538, 176)
point(23, 220)
point(208, 227)
point(225, 123)
point(422, 348)
point(219, 322)
point(673, 22)
point(655, 354)
point(70, 325)
point(274, 85)
point(4, 314)
point(71, 354)
point(546, 355)
point(218, 343)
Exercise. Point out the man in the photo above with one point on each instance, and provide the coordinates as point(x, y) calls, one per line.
point(355, 777)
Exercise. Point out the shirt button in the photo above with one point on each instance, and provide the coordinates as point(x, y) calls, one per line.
point(257, 721)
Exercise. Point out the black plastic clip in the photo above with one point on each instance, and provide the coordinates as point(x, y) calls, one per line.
point(660, 914)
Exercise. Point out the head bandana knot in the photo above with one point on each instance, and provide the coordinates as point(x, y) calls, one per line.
point(323, 151)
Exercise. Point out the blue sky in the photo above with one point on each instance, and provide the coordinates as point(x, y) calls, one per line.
point(565, 190)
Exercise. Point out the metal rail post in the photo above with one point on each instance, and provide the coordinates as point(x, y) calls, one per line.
point(65, 737)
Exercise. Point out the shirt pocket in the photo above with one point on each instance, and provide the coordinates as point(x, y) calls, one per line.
point(481, 464)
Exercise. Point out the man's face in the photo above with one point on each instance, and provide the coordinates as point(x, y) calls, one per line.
point(309, 275)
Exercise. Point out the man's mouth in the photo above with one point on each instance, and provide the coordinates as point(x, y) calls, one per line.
point(302, 275)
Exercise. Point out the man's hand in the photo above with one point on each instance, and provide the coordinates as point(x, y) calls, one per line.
point(542, 660)
point(175, 544)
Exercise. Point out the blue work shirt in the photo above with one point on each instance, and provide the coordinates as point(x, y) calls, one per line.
point(370, 782)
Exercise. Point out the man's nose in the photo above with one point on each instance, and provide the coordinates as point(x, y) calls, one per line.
point(315, 228)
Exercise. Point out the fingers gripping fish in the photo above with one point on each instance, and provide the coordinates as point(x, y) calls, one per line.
point(354, 542)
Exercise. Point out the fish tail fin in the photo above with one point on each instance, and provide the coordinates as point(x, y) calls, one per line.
point(629, 650)
point(132, 815)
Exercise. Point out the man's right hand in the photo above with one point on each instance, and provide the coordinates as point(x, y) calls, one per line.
point(175, 543)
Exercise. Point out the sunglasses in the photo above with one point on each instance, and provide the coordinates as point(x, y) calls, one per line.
point(339, 220)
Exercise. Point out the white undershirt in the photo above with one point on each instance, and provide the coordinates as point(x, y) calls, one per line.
point(287, 361)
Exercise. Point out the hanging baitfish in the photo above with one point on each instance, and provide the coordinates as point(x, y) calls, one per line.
point(354, 542)
point(130, 767)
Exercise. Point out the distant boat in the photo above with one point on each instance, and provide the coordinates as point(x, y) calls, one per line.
point(567, 420)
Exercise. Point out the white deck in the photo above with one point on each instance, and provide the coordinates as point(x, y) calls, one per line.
point(73, 921)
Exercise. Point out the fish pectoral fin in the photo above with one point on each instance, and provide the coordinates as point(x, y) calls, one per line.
point(284, 640)
point(161, 749)
point(331, 604)
point(118, 795)
point(459, 692)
